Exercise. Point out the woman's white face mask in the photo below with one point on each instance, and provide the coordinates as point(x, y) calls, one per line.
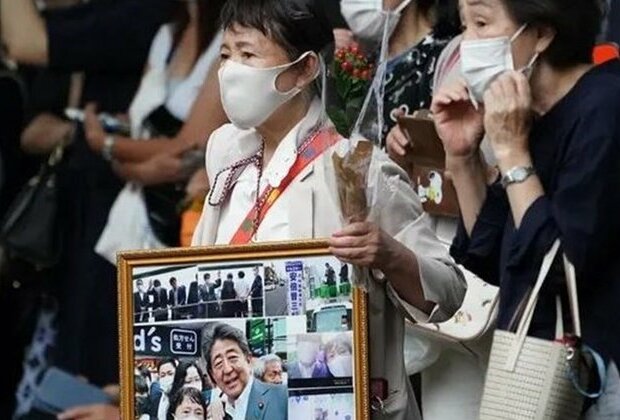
point(249, 94)
point(368, 20)
point(483, 60)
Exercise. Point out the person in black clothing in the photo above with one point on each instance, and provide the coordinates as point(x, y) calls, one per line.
point(140, 303)
point(330, 275)
point(193, 309)
point(159, 301)
point(109, 41)
point(211, 308)
point(344, 273)
point(228, 297)
point(176, 299)
point(559, 170)
point(256, 293)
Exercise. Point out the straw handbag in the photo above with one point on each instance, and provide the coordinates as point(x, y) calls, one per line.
point(532, 378)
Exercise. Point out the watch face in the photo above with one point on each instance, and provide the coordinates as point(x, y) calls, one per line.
point(519, 174)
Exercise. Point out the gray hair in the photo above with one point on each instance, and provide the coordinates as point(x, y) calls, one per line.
point(260, 365)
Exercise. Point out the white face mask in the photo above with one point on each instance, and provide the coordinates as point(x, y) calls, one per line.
point(341, 366)
point(368, 20)
point(249, 94)
point(482, 60)
point(306, 353)
point(196, 385)
point(166, 383)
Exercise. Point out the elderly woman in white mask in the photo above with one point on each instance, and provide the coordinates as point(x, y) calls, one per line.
point(280, 146)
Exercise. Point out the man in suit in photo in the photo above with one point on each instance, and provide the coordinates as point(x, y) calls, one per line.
point(176, 299)
point(159, 301)
point(140, 303)
point(207, 291)
point(193, 298)
point(229, 364)
point(256, 294)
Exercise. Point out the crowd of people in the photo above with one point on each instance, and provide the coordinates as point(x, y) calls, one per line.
point(220, 105)
point(203, 388)
point(205, 299)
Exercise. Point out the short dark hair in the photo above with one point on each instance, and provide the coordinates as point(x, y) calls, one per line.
point(177, 399)
point(219, 332)
point(173, 279)
point(140, 384)
point(297, 26)
point(229, 276)
point(181, 373)
point(166, 361)
point(206, 276)
point(577, 24)
point(156, 283)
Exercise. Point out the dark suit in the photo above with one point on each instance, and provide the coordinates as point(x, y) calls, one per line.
point(211, 308)
point(177, 297)
point(228, 296)
point(193, 299)
point(256, 292)
point(159, 304)
point(267, 402)
point(141, 307)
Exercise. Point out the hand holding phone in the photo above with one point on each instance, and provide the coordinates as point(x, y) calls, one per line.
point(59, 391)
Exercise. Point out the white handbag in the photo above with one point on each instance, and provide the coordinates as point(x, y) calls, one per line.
point(127, 227)
point(474, 318)
point(532, 378)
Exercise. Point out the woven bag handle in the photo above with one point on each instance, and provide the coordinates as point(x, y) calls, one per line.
point(528, 313)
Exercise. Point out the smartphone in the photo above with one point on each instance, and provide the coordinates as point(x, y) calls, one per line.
point(426, 146)
point(59, 391)
point(110, 123)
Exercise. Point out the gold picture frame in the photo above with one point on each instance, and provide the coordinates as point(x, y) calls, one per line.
point(136, 267)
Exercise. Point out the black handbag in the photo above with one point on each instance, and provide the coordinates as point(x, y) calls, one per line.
point(164, 202)
point(30, 229)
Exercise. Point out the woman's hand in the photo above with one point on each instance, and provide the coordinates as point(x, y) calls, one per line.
point(160, 169)
point(397, 144)
point(459, 124)
point(198, 185)
point(507, 119)
point(92, 412)
point(93, 130)
point(363, 244)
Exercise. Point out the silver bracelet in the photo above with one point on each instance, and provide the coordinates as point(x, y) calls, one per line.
point(108, 146)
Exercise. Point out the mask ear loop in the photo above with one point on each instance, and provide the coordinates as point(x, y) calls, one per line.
point(519, 32)
point(402, 6)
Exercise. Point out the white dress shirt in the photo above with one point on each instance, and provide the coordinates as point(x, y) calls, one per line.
point(240, 408)
point(243, 196)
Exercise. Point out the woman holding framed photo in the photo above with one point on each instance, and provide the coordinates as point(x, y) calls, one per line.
point(272, 179)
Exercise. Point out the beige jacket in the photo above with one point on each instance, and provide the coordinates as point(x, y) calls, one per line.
point(313, 213)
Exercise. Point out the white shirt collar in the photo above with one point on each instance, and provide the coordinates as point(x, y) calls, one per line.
point(286, 153)
point(239, 410)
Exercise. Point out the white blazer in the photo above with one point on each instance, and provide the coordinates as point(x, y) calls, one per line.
point(311, 202)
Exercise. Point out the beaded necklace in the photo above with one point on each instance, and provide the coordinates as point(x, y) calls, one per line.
point(237, 168)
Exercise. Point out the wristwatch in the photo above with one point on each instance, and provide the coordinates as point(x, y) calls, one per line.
point(108, 145)
point(517, 175)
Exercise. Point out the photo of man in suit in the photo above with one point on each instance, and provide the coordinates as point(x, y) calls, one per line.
point(256, 293)
point(207, 290)
point(159, 301)
point(228, 360)
point(176, 298)
point(140, 303)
